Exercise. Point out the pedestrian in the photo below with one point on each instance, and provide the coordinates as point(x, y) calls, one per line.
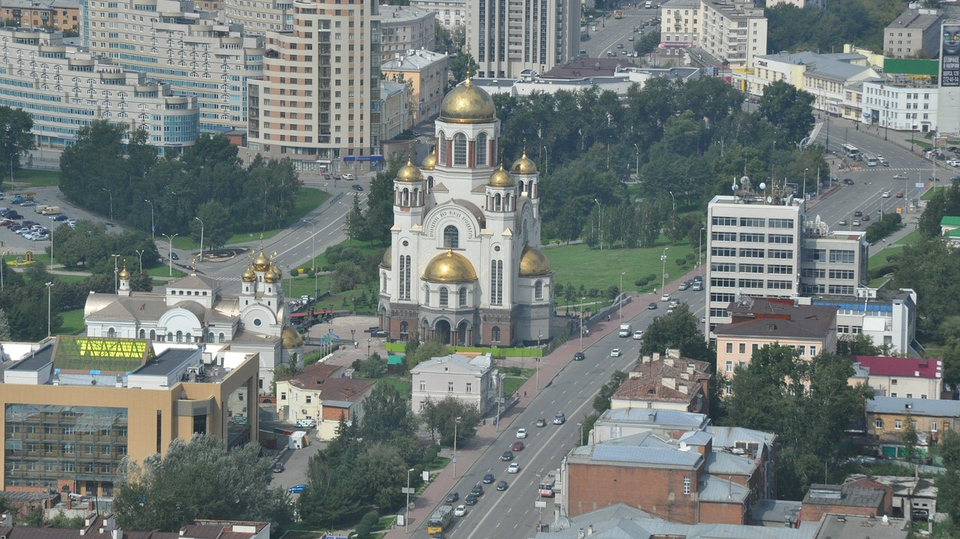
point(524, 394)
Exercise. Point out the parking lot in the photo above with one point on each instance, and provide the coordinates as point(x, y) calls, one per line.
point(15, 244)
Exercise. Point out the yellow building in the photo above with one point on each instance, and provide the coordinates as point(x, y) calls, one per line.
point(56, 14)
point(74, 407)
point(426, 74)
point(322, 395)
point(889, 417)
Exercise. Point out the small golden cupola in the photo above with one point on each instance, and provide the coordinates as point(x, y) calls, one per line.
point(467, 104)
point(409, 173)
point(449, 267)
point(533, 263)
point(124, 274)
point(271, 276)
point(387, 260)
point(261, 263)
point(248, 275)
point(290, 339)
point(430, 161)
point(524, 165)
point(501, 178)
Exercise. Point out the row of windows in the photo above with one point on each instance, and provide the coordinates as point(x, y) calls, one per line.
point(752, 253)
point(742, 349)
point(779, 269)
point(754, 222)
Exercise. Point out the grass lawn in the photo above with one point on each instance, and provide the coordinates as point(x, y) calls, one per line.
point(920, 143)
point(438, 463)
point(880, 259)
point(164, 271)
point(307, 201)
point(403, 386)
point(594, 268)
point(72, 322)
point(70, 278)
point(25, 179)
point(511, 384)
point(909, 239)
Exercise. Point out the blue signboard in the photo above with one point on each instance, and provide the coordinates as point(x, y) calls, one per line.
point(373, 158)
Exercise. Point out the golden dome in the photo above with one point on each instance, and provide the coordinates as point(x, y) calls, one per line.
point(387, 260)
point(248, 275)
point(449, 267)
point(409, 173)
point(533, 263)
point(277, 271)
point(524, 165)
point(124, 274)
point(467, 104)
point(430, 162)
point(290, 338)
point(270, 276)
point(261, 263)
point(501, 178)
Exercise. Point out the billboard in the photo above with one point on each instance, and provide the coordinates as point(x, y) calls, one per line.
point(950, 55)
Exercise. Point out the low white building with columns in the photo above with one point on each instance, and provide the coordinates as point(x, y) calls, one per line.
point(465, 265)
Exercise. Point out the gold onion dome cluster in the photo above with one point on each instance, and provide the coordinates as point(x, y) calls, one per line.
point(467, 104)
point(449, 267)
point(501, 178)
point(524, 165)
point(272, 275)
point(409, 173)
point(533, 263)
point(261, 263)
point(248, 275)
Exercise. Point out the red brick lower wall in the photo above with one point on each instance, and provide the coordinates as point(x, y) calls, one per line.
point(656, 491)
point(722, 513)
point(813, 512)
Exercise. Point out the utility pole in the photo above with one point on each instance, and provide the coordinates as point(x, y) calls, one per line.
point(456, 422)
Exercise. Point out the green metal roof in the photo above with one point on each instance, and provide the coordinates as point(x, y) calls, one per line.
point(948, 220)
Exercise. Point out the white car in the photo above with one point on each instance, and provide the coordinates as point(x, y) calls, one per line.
point(886, 194)
point(347, 176)
point(460, 511)
point(638, 335)
point(953, 162)
point(513, 468)
point(615, 352)
point(521, 433)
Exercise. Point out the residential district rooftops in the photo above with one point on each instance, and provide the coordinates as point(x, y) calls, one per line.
point(901, 366)
point(413, 60)
point(844, 496)
point(768, 318)
point(715, 489)
point(920, 19)
point(916, 407)
point(850, 527)
point(655, 417)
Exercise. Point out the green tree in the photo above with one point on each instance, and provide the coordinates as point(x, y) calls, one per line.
point(948, 486)
point(386, 415)
point(4, 329)
point(15, 138)
point(910, 440)
point(680, 330)
point(858, 345)
point(216, 227)
point(462, 65)
point(356, 225)
point(153, 495)
point(789, 110)
point(439, 418)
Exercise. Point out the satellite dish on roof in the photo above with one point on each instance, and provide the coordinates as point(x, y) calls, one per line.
point(763, 186)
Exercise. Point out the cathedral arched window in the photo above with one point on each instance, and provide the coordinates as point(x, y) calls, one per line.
point(383, 281)
point(222, 338)
point(463, 297)
point(444, 296)
point(404, 330)
point(179, 336)
point(495, 334)
point(143, 333)
point(538, 290)
point(497, 202)
point(459, 149)
point(210, 337)
point(451, 237)
point(442, 153)
point(153, 335)
point(496, 282)
point(482, 150)
point(426, 297)
point(111, 333)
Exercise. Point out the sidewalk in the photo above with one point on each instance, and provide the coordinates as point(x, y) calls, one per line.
point(550, 365)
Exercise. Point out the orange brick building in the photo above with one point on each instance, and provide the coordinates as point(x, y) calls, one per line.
point(56, 14)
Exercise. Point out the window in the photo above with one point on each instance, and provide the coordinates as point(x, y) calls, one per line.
point(724, 221)
point(729, 367)
point(495, 334)
point(724, 236)
point(751, 283)
point(496, 282)
point(686, 485)
point(460, 149)
point(780, 223)
point(779, 285)
point(743, 348)
point(842, 274)
point(779, 269)
point(933, 426)
point(469, 387)
point(729, 347)
point(879, 423)
point(751, 268)
point(780, 238)
point(538, 290)
point(463, 297)
point(780, 254)
point(449, 387)
point(909, 395)
point(309, 399)
point(897, 424)
point(451, 237)
point(423, 385)
point(753, 221)
point(719, 266)
point(442, 143)
point(840, 256)
point(752, 238)
point(444, 296)
point(751, 253)
point(482, 149)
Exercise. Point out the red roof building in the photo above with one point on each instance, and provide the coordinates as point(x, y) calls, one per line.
point(901, 377)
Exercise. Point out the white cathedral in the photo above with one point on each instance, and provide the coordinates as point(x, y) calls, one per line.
point(464, 265)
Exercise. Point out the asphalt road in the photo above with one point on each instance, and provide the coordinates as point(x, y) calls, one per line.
point(613, 31)
point(512, 513)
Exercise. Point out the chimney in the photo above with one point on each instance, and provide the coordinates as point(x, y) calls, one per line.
point(684, 389)
point(670, 382)
point(668, 361)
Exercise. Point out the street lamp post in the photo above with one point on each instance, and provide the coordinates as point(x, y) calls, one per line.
point(581, 324)
point(539, 338)
point(674, 199)
point(638, 160)
point(152, 227)
point(170, 255)
point(805, 181)
point(368, 347)
point(140, 256)
point(49, 303)
point(599, 222)
point(116, 274)
point(620, 297)
point(201, 238)
point(456, 421)
point(663, 274)
point(313, 261)
point(109, 192)
point(546, 162)
point(51, 247)
point(406, 519)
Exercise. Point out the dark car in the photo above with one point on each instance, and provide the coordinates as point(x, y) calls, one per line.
point(652, 306)
point(29, 224)
point(453, 497)
point(477, 490)
point(858, 213)
point(471, 499)
point(541, 422)
point(175, 256)
point(848, 181)
point(579, 356)
point(507, 455)
point(357, 188)
point(278, 467)
point(865, 218)
point(919, 514)
point(60, 217)
point(488, 479)
point(517, 446)
point(297, 489)
point(501, 485)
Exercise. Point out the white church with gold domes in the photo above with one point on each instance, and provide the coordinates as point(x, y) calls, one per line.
point(465, 266)
point(192, 310)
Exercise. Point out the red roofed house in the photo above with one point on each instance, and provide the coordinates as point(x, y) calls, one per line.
point(666, 383)
point(900, 376)
point(105, 527)
point(324, 394)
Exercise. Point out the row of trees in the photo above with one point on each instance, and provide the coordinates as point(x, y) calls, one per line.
point(829, 28)
point(15, 139)
point(117, 173)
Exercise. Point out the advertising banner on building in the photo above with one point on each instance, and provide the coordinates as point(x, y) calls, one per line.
point(950, 55)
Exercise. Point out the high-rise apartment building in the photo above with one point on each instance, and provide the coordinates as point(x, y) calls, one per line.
point(507, 36)
point(260, 16)
point(732, 30)
point(320, 81)
point(759, 244)
point(173, 43)
point(65, 89)
point(450, 13)
point(405, 28)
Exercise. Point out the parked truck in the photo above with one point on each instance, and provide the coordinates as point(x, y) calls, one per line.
point(625, 330)
point(22, 196)
point(51, 210)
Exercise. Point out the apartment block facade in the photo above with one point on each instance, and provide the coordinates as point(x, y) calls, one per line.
point(55, 14)
point(732, 30)
point(509, 36)
point(426, 73)
point(315, 102)
point(259, 16)
point(65, 90)
point(915, 33)
point(680, 26)
point(404, 28)
point(193, 52)
point(450, 13)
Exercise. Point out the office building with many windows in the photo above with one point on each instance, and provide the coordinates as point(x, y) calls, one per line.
point(450, 13)
point(192, 51)
point(318, 100)
point(65, 89)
